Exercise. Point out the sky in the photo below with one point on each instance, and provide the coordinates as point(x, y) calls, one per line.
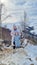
point(16, 9)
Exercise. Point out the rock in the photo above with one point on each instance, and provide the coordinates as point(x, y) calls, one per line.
point(31, 64)
point(36, 58)
point(29, 59)
point(1, 49)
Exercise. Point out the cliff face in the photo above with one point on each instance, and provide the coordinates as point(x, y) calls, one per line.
point(5, 34)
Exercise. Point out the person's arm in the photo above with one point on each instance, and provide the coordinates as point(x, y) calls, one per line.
point(12, 33)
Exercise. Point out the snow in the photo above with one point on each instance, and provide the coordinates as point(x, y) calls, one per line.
point(22, 56)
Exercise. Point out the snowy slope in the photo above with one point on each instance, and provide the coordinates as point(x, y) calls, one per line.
point(22, 56)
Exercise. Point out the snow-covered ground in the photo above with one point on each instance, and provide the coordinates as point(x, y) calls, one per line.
point(22, 56)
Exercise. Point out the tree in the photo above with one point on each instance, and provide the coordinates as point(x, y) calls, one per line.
point(6, 16)
point(1, 5)
point(23, 22)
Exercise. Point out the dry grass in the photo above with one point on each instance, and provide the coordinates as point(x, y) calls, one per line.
point(5, 51)
point(2, 64)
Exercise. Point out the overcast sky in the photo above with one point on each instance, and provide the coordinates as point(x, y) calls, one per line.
point(16, 9)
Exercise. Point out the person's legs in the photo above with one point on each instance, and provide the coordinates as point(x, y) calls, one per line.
point(14, 45)
point(14, 50)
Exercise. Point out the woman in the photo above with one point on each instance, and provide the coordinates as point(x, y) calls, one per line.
point(15, 37)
